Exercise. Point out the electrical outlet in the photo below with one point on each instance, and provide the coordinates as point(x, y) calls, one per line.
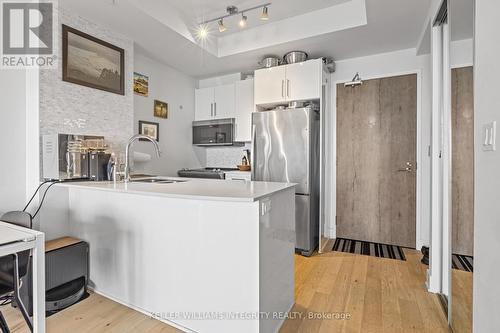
point(490, 136)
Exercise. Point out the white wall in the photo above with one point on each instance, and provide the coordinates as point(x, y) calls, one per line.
point(19, 145)
point(461, 53)
point(12, 140)
point(177, 89)
point(487, 170)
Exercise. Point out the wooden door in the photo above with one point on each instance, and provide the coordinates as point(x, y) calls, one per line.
point(462, 118)
point(376, 160)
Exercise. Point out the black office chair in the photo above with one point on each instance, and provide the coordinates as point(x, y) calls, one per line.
point(13, 267)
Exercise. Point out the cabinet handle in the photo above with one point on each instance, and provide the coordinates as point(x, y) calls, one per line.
point(215, 109)
point(282, 88)
point(211, 109)
point(287, 88)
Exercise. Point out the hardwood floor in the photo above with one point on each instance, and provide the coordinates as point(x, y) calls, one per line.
point(374, 295)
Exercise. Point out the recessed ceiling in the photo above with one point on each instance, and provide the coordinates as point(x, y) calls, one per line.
point(163, 30)
point(196, 11)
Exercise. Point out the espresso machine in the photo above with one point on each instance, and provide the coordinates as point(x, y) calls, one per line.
point(71, 156)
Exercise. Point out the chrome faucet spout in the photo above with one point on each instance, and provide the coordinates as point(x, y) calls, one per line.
point(127, 151)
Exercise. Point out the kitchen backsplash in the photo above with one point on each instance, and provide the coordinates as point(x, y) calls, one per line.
point(225, 157)
point(70, 108)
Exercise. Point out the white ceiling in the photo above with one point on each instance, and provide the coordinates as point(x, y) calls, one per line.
point(164, 33)
point(196, 11)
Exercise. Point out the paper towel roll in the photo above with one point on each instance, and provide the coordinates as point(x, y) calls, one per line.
point(141, 157)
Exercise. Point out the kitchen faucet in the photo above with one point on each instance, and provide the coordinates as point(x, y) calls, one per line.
point(127, 154)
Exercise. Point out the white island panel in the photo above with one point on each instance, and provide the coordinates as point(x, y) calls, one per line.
point(175, 258)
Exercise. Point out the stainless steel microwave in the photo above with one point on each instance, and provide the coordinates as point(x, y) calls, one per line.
point(219, 132)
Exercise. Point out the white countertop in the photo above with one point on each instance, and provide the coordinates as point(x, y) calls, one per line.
point(198, 189)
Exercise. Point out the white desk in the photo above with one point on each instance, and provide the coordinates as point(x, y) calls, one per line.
point(15, 239)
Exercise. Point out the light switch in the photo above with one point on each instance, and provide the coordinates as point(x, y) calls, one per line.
point(490, 136)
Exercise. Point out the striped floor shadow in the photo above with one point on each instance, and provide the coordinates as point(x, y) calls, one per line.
point(369, 248)
point(463, 263)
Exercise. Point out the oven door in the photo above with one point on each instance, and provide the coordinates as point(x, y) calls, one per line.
point(218, 132)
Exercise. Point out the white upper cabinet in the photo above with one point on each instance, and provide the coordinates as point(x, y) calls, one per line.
point(244, 98)
point(214, 102)
point(224, 101)
point(270, 85)
point(204, 103)
point(301, 81)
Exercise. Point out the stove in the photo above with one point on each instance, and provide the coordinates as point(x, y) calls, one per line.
point(212, 173)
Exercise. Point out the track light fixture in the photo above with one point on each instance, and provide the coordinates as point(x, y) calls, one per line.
point(265, 14)
point(222, 27)
point(231, 11)
point(243, 20)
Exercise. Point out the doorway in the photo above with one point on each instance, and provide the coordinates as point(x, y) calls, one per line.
point(376, 161)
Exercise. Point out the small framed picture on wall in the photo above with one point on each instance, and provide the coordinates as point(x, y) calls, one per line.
point(149, 129)
point(161, 109)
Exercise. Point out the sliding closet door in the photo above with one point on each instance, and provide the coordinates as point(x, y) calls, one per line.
point(462, 161)
point(376, 160)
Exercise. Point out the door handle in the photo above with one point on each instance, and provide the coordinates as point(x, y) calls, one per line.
point(409, 168)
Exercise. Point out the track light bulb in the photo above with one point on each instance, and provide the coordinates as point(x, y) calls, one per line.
point(243, 21)
point(202, 32)
point(265, 14)
point(222, 27)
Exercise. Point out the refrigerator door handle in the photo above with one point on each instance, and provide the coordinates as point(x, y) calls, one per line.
point(254, 147)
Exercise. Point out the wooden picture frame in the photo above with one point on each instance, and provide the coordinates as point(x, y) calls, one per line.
point(77, 70)
point(160, 109)
point(153, 131)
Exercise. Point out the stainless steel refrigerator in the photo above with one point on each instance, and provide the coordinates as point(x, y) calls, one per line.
point(286, 148)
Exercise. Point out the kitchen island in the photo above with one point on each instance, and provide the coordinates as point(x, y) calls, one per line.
point(201, 255)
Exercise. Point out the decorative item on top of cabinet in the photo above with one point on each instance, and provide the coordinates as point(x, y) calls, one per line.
point(294, 82)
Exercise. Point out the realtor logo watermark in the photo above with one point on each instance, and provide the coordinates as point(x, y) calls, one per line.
point(28, 34)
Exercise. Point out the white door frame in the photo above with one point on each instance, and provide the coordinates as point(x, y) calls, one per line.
point(333, 130)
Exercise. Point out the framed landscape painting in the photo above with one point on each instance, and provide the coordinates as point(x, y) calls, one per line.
point(92, 62)
point(141, 84)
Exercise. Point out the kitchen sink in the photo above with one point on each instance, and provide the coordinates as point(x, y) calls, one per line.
point(158, 181)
